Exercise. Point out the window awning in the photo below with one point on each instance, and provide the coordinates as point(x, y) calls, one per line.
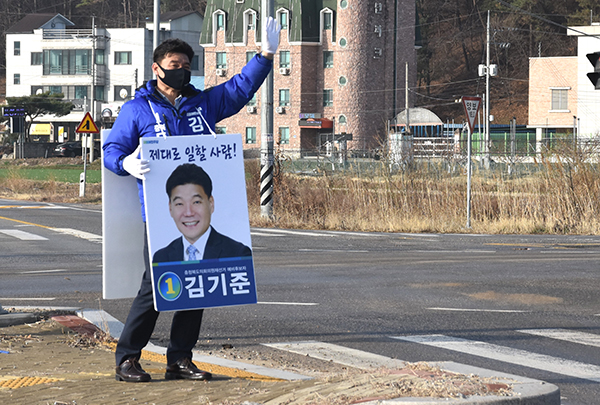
point(315, 123)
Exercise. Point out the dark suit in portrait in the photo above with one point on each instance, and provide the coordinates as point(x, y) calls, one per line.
point(218, 246)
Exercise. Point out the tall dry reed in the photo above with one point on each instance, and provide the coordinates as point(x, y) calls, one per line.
point(559, 196)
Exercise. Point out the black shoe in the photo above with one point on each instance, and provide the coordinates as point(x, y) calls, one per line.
point(131, 371)
point(185, 369)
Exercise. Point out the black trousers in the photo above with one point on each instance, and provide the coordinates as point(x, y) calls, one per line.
point(141, 320)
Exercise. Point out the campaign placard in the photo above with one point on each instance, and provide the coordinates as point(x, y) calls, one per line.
point(197, 222)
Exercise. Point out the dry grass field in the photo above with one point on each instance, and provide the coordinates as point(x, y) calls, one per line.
point(559, 197)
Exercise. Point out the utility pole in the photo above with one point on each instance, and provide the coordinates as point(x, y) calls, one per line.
point(487, 70)
point(266, 143)
point(93, 87)
point(486, 146)
point(156, 24)
point(406, 103)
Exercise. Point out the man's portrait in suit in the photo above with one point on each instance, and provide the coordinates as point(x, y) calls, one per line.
point(191, 205)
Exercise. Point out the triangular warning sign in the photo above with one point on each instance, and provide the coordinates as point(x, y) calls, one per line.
point(87, 125)
point(471, 105)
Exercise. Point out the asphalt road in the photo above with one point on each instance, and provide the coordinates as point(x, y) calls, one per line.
point(482, 300)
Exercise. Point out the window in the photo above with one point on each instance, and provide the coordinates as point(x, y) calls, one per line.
point(342, 120)
point(327, 98)
point(283, 20)
point(327, 59)
point(342, 80)
point(326, 21)
point(67, 61)
point(80, 59)
point(99, 56)
point(36, 58)
point(343, 4)
point(221, 60)
point(99, 90)
point(17, 48)
point(252, 100)
point(81, 92)
point(220, 130)
point(17, 78)
point(55, 90)
point(284, 97)
point(284, 59)
point(195, 64)
point(220, 22)
point(123, 58)
point(250, 21)
point(343, 42)
point(250, 134)
point(53, 62)
point(250, 55)
point(559, 99)
point(284, 135)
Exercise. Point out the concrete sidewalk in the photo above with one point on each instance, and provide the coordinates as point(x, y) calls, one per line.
point(67, 359)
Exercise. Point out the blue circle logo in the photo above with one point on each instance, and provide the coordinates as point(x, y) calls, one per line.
point(169, 286)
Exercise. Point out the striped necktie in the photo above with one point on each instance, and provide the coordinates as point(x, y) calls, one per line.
point(191, 251)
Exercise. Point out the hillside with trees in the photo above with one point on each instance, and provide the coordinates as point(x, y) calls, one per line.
point(453, 37)
point(454, 44)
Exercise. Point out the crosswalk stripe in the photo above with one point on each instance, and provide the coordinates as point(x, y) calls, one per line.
point(22, 235)
point(80, 234)
point(508, 355)
point(582, 338)
point(338, 354)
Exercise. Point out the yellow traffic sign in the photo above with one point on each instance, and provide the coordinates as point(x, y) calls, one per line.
point(87, 125)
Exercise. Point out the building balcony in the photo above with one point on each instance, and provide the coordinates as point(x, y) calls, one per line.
point(53, 34)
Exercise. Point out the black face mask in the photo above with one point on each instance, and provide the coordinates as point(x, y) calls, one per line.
point(176, 78)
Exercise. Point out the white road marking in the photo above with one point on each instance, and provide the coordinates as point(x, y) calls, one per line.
point(288, 303)
point(333, 250)
point(22, 235)
point(51, 207)
point(27, 299)
point(338, 354)
point(92, 237)
point(516, 311)
point(43, 271)
point(273, 235)
point(509, 355)
point(582, 338)
point(288, 232)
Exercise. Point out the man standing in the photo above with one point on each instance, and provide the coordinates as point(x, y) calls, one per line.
point(170, 106)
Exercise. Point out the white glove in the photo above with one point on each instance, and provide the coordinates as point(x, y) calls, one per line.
point(135, 166)
point(270, 40)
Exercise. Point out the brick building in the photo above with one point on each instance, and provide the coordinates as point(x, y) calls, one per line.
point(340, 67)
point(552, 93)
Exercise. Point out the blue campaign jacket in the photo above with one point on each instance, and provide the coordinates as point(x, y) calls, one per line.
point(136, 118)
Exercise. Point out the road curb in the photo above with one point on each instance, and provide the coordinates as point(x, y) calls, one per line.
point(17, 318)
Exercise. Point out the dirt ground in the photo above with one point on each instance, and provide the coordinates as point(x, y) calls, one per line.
point(47, 363)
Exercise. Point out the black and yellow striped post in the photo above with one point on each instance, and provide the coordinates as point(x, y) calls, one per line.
point(266, 143)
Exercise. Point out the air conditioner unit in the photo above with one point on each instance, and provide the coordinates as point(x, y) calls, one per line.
point(251, 109)
point(284, 71)
point(279, 110)
point(221, 72)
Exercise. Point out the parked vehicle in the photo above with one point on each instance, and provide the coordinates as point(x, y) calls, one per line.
point(70, 149)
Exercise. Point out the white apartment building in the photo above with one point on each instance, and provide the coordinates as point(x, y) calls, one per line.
point(97, 69)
